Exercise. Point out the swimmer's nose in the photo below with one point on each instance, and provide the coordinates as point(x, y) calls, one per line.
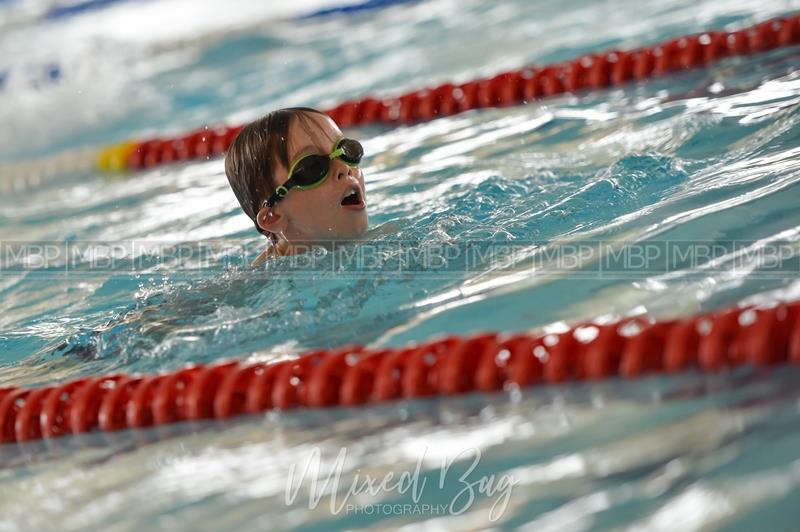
point(343, 170)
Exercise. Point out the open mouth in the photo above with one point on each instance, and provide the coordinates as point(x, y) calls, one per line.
point(353, 199)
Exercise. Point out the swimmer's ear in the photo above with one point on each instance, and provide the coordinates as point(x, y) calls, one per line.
point(271, 221)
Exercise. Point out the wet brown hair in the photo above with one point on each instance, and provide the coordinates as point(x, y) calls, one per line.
point(254, 154)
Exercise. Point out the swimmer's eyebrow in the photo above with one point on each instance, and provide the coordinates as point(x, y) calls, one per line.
point(306, 150)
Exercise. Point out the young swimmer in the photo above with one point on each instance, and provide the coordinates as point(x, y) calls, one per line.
point(297, 177)
point(322, 200)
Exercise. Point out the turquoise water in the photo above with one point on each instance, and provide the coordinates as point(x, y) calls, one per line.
point(700, 158)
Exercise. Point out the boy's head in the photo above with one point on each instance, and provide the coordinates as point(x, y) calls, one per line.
point(258, 162)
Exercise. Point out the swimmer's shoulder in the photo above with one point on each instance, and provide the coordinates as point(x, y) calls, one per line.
point(271, 251)
point(387, 228)
point(262, 257)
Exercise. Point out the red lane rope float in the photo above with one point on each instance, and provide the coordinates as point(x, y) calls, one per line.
point(591, 71)
point(353, 375)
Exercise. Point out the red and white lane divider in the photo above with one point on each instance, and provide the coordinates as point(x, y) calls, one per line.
point(591, 71)
point(352, 376)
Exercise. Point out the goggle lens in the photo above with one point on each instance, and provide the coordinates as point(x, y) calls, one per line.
point(311, 169)
point(352, 151)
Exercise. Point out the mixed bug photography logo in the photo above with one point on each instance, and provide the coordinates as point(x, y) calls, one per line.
point(451, 487)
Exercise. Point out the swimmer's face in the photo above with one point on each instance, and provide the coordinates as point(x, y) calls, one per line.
point(317, 215)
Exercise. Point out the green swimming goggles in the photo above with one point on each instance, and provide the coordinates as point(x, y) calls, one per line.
point(310, 171)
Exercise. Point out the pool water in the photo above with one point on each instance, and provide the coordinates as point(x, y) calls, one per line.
point(494, 220)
